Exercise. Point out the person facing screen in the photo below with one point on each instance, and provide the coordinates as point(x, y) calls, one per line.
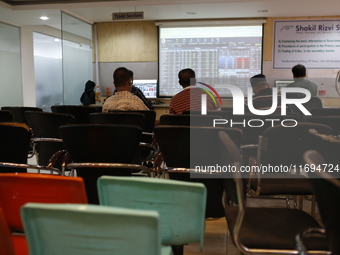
point(137, 92)
point(300, 74)
point(190, 98)
point(123, 99)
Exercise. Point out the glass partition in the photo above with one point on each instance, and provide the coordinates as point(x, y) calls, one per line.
point(10, 66)
point(47, 71)
point(76, 57)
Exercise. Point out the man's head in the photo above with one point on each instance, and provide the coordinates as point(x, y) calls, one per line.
point(299, 71)
point(258, 82)
point(186, 77)
point(121, 79)
point(131, 75)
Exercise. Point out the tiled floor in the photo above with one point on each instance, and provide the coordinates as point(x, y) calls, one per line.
point(217, 240)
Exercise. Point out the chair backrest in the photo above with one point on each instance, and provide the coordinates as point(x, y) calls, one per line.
point(14, 144)
point(6, 243)
point(184, 146)
point(286, 145)
point(80, 112)
point(253, 125)
point(314, 103)
point(181, 205)
point(123, 117)
point(332, 121)
point(326, 112)
point(46, 124)
point(89, 229)
point(327, 193)
point(150, 117)
point(5, 116)
point(188, 120)
point(19, 189)
point(101, 143)
point(18, 112)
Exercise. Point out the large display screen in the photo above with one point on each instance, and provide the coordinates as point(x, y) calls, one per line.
point(220, 55)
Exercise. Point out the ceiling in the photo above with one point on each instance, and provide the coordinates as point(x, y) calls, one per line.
point(27, 12)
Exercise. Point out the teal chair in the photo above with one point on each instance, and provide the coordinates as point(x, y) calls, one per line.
point(55, 229)
point(181, 205)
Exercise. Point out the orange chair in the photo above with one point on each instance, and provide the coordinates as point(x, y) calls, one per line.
point(18, 189)
point(6, 244)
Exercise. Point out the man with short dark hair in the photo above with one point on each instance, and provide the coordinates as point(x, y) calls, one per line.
point(137, 92)
point(123, 99)
point(299, 74)
point(190, 98)
point(263, 98)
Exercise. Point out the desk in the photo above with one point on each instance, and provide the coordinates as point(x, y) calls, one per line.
point(161, 109)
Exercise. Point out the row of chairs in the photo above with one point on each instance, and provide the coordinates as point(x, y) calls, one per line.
point(121, 231)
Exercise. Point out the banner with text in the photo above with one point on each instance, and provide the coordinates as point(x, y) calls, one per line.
point(312, 43)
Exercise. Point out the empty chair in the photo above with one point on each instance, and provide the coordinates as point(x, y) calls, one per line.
point(314, 104)
point(181, 205)
point(18, 112)
point(19, 189)
point(102, 149)
point(260, 230)
point(125, 118)
point(283, 148)
point(14, 145)
point(47, 140)
point(191, 148)
point(90, 229)
point(327, 191)
point(332, 121)
point(5, 116)
point(326, 112)
point(80, 112)
point(188, 120)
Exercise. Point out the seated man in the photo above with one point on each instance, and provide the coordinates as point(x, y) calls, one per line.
point(300, 74)
point(136, 91)
point(123, 99)
point(189, 99)
point(263, 98)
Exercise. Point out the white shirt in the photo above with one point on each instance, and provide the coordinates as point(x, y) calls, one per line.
point(124, 101)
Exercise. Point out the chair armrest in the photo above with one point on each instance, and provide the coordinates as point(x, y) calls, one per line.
point(25, 166)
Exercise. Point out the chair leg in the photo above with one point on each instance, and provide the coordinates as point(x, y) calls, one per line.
point(177, 249)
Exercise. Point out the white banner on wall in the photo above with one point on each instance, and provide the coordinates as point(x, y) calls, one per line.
point(312, 43)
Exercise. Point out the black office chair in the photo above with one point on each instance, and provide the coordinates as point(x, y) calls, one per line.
point(18, 112)
point(124, 118)
point(188, 120)
point(101, 149)
point(185, 148)
point(327, 191)
point(47, 140)
point(332, 121)
point(5, 116)
point(14, 143)
point(326, 112)
point(314, 104)
point(261, 230)
point(80, 112)
point(283, 148)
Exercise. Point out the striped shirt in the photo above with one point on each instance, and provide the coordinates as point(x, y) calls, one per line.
point(189, 99)
point(124, 101)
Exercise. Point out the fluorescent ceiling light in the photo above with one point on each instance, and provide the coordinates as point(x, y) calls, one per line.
point(44, 17)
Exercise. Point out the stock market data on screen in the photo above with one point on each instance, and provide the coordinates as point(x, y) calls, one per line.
point(219, 56)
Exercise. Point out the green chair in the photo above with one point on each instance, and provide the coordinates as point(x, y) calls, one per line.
point(91, 229)
point(181, 205)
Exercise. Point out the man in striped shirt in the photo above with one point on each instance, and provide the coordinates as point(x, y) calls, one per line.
point(189, 99)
